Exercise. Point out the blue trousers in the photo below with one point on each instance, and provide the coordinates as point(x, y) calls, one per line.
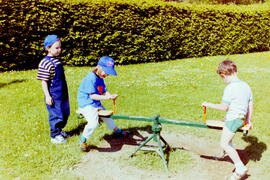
point(58, 115)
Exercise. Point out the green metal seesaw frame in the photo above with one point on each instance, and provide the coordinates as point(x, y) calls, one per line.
point(156, 136)
point(156, 129)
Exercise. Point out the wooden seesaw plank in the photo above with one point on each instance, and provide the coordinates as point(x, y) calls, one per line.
point(105, 113)
point(220, 124)
point(101, 113)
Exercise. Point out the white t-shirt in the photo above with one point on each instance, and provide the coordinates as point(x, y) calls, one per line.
point(237, 95)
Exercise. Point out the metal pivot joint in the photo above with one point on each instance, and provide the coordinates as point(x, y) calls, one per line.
point(162, 144)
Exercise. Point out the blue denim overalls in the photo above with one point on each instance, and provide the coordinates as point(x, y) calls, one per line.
point(59, 111)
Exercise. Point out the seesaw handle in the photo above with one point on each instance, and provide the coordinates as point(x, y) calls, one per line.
point(114, 106)
point(204, 114)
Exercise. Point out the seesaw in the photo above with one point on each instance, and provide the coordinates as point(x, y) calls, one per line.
point(156, 129)
point(219, 124)
point(101, 112)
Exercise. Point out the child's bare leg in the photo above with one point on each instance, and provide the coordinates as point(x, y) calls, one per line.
point(226, 139)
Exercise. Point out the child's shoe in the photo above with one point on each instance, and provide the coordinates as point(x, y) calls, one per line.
point(83, 147)
point(58, 140)
point(239, 173)
point(120, 132)
point(83, 144)
point(65, 135)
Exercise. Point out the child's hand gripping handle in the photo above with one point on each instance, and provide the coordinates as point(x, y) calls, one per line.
point(113, 98)
point(246, 128)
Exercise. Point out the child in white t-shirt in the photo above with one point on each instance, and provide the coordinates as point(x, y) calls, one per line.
point(237, 101)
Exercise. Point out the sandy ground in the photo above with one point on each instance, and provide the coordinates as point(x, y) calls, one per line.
point(101, 163)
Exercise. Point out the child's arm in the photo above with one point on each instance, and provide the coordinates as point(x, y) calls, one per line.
point(48, 98)
point(249, 113)
point(105, 96)
point(221, 107)
point(112, 96)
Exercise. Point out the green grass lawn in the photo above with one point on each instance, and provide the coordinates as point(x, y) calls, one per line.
point(172, 89)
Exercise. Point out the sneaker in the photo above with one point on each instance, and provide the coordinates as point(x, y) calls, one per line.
point(83, 147)
point(235, 176)
point(242, 171)
point(239, 173)
point(58, 140)
point(65, 135)
point(120, 132)
point(83, 144)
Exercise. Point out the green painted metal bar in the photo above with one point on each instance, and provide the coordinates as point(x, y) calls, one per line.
point(161, 120)
point(156, 128)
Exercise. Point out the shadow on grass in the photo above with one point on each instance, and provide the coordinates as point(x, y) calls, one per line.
point(12, 82)
point(77, 130)
point(252, 152)
point(134, 138)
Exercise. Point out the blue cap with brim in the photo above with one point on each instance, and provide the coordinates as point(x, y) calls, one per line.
point(107, 65)
point(50, 40)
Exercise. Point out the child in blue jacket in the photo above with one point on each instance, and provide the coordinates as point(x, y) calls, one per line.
point(92, 90)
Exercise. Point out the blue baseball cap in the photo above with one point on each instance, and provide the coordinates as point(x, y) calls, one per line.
point(50, 40)
point(107, 64)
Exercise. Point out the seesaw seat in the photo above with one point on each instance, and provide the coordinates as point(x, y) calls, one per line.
point(105, 113)
point(219, 124)
point(101, 113)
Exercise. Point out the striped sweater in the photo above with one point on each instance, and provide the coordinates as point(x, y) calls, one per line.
point(46, 69)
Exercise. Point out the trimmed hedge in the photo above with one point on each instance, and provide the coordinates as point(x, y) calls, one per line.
point(128, 32)
point(24, 24)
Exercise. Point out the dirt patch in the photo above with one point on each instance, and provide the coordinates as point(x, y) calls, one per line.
point(101, 162)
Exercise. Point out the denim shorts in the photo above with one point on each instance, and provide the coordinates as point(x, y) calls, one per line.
point(234, 125)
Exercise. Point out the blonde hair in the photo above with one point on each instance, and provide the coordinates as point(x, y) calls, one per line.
point(97, 70)
point(227, 67)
